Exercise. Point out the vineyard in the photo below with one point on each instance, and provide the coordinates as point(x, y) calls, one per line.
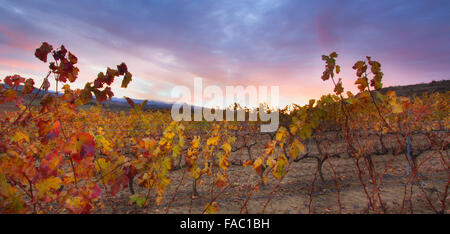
point(370, 152)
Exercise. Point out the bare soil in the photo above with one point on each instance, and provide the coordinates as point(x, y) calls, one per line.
point(293, 194)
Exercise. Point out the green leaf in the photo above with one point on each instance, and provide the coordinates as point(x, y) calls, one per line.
point(135, 198)
point(305, 132)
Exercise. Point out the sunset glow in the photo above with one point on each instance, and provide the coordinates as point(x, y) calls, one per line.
point(168, 43)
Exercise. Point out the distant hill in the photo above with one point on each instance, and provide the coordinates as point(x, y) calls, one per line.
point(115, 103)
point(409, 90)
point(121, 104)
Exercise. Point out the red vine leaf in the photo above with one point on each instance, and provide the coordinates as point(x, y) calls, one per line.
point(42, 52)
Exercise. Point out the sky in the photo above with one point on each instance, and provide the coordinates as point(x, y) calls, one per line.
point(230, 42)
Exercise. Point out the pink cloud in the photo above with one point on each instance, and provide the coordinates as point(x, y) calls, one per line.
point(19, 64)
point(17, 39)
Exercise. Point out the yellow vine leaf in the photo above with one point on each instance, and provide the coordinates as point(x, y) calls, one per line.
point(213, 141)
point(211, 208)
point(257, 165)
point(280, 134)
point(46, 185)
point(270, 147)
point(224, 161)
point(196, 142)
point(195, 173)
point(20, 137)
point(271, 162)
point(278, 172)
point(226, 147)
point(247, 163)
point(397, 108)
point(296, 147)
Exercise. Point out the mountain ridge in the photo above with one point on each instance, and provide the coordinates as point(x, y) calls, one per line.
point(401, 90)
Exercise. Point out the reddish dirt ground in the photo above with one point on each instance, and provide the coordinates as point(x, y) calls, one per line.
point(293, 194)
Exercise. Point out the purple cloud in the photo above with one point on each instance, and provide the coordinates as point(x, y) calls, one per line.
point(168, 43)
